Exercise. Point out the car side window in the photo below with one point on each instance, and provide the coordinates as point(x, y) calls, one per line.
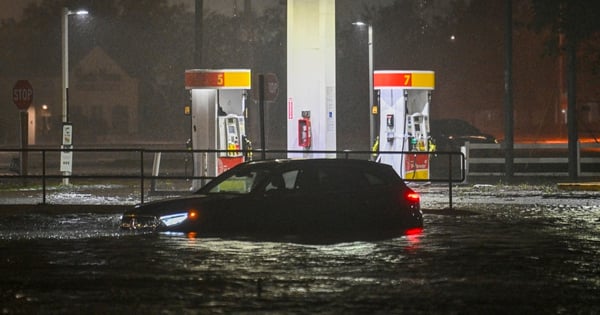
point(241, 183)
point(340, 179)
point(374, 180)
point(283, 181)
point(290, 179)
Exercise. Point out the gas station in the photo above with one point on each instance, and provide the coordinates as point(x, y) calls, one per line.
point(218, 100)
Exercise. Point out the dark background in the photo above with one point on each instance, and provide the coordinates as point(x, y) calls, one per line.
point(154, 42)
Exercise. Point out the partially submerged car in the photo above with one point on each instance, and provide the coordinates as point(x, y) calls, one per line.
point(451, 134)
point(312, 198)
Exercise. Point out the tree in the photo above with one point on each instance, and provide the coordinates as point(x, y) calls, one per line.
point(577, 22)
point(576, 19)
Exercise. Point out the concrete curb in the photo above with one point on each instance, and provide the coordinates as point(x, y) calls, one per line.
point(591, 186)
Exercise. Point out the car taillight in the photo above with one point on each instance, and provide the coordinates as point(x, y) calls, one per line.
point(414, 231)
point(412, 196)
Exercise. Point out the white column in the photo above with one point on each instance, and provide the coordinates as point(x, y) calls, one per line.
point(311, 71)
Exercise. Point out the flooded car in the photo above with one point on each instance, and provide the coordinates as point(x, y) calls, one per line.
point(291, 197)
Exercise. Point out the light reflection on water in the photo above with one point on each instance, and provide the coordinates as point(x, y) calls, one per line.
point(64, 226)
point(540, 259)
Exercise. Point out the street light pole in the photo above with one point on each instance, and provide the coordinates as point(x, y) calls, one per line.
point(372, 121)
point(65, 64)
point(66, 141)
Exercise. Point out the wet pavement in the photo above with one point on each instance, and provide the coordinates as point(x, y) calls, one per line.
point(518, 249)
point(96, 197)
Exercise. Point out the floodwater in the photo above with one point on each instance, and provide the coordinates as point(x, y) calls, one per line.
point(540, 259)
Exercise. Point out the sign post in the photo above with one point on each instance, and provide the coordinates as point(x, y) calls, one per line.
point(66, 155)
point(23, 97)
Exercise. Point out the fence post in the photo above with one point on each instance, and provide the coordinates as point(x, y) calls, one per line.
point(142, 176)
point(465, 151)
point(43, 177)
point(578, 159)
point(450, 180)
point(155, 170)
point(261, 109)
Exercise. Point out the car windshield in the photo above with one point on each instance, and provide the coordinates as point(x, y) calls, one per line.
point(242, 182)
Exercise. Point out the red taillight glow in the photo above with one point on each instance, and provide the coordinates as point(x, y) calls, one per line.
point(414, 232)
point(413, 236)
point(193, 214)
point(413, 196)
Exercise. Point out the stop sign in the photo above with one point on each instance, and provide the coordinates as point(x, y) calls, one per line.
point(22, 94)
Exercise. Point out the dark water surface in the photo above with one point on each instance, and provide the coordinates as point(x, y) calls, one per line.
point(513, 259)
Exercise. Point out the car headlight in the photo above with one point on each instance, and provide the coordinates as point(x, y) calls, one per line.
point(173, 219)
point(178, 218)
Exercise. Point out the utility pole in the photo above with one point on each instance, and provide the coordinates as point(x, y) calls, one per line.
point(508, 96)
point(198, 31)
point(573, 145)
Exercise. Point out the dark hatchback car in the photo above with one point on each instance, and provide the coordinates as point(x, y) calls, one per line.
point(451, 134)
point(311, 198)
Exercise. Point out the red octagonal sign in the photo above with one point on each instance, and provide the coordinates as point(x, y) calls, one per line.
point(22, 94)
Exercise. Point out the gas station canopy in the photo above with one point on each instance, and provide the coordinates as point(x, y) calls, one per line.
point(390, 79)
point(217, 79)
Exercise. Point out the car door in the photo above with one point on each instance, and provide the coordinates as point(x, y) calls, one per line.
point(376, 199)
point(284, 199)
point(354, 198)
point(335, 198)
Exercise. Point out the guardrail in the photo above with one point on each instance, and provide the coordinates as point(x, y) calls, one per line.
point(536, 159)
point(151, 165)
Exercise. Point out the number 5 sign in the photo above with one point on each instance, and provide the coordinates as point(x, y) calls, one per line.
point(22, 94)
point(217, 79)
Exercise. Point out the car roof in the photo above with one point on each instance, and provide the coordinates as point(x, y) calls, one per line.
point(282, 165)
point(318, 161)
point(450, 121)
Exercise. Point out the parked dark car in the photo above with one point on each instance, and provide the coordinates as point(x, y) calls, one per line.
point(451, 134)
point(292, 197)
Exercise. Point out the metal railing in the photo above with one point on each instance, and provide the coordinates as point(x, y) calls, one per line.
point(140, 165)
point(532, 159)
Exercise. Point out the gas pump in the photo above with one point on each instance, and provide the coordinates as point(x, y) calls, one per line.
point(417, 165)
point(218, 107)
point(404, 100)
point(231, 131)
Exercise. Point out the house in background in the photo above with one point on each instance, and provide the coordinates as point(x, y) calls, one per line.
point(103, 105)
point(103, 100)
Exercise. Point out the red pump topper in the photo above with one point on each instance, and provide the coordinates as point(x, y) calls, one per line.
point(304, 133)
